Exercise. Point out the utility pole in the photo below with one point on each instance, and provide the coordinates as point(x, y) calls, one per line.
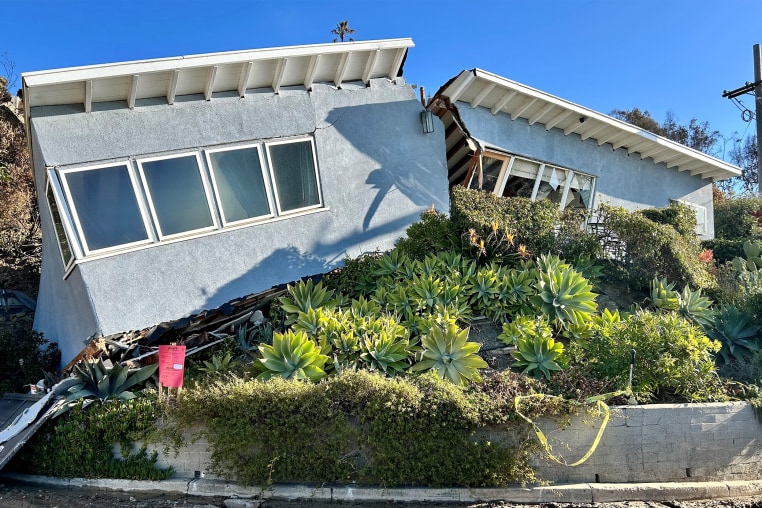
point(756, 88)
point(758, 110)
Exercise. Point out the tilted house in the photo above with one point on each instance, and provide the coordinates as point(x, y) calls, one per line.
point(513, 140)
point(174, 185)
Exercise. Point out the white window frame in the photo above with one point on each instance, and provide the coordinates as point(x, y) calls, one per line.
point(265, 179)
point(311, 140)
point(73, 209)
point(697, 209)
point(505, 173)
point(54, 185)
point(207, 194)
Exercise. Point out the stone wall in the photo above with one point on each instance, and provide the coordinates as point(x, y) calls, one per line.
point(653, 443)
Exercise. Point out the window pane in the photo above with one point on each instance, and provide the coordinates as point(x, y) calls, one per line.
point(239, 182)
point(63, 242)
point(294, 172)
point(105, 203)
point(490, 173)
point(177, 193)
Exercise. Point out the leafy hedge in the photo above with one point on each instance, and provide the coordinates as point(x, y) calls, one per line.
point(27, 355)
point(733, 219)
point(358, 426)
point(78, 443)
point(656, 250)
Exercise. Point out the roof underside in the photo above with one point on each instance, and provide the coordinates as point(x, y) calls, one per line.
point(236, 71)
point(500, 95)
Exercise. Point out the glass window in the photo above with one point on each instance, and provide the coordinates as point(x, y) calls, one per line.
point(239, 184)
point(490, 173)
point(63, 240)
point(177, 194)
point(294, 175)
point(105, 208)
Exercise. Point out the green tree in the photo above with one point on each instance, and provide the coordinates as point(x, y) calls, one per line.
point(744, 155)
point(342, 30)
point(697, 135)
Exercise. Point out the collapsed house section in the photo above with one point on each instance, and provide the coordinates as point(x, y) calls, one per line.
point(512, 140)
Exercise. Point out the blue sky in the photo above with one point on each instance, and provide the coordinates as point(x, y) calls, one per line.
point(602, 54)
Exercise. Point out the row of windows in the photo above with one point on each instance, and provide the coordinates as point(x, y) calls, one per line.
point(512, 176)
point(98, 209)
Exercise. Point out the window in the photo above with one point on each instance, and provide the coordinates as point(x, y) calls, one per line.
point(294, 175)
point(177, 194)
point(238, 178)
point(104, 207)
point(63, 241)
point(512, 176)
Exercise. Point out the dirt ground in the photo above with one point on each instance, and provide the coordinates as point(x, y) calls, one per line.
point(17, 495)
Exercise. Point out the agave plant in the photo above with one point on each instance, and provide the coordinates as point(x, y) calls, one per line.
point(304, 296)
point(663, 295)
point(695, 307)
point(564, 295)
point(736, 334)
point(539, 355)
point(100, 382)
point(427, 291)
point(390, 264)
point(292, 356)
point(218, 364)
point(385, 352)
point(484, 287)
point(447, 350)
point(519, 328)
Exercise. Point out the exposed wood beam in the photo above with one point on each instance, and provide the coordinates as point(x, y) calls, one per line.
point(133, 92)
point(209, 85)
point(523, 108)
point(457, 174)
point(592, 132)
point(243, 80)
point(557, 119)
point(505, 174)
point(607, 139)
point(341, 70)
point(309, 76)
point(458, 91)
point(537, 181)
point(451, 129)
point(654, 151)
point(619, 144)
point(368, 72)
point(694, 167)
point(481, 95)
point(638, 146)
point(89, 96)
point(174, 77)
point(502, 101)
point(567, 185)
point(544, 111)
point(394, 69)
point(462, 164)
point(456, 148)
point(573, 127)
point(279, 71)
point(682, 159)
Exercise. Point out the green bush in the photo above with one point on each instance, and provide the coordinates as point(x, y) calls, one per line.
point(78, 444)
point(532, 223)
point(653, 249)
point(434, 233)
point(677, 215)
point(674, 359)
point(353, 276)
point(733, 219)
point(27, 355)
point(724, 250)
point(358, 426)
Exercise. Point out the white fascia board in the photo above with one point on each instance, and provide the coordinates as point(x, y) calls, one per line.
point(70, 74)
point(728, 170)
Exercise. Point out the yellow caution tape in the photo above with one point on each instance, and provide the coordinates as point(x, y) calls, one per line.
point(598, 400)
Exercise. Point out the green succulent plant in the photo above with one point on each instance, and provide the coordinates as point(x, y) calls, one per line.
point(304, 296)
point(564, 295)
point(385, 352)
point(100, 382)
point(663, 295)
point(218, 364)
point(484, 288)
point(694, 306)
point(447, 351)
point(735, 332)
point(292, 356)
point(538, 355)
point(521, 327)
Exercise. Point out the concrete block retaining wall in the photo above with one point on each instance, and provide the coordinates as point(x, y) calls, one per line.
point(652, 443)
